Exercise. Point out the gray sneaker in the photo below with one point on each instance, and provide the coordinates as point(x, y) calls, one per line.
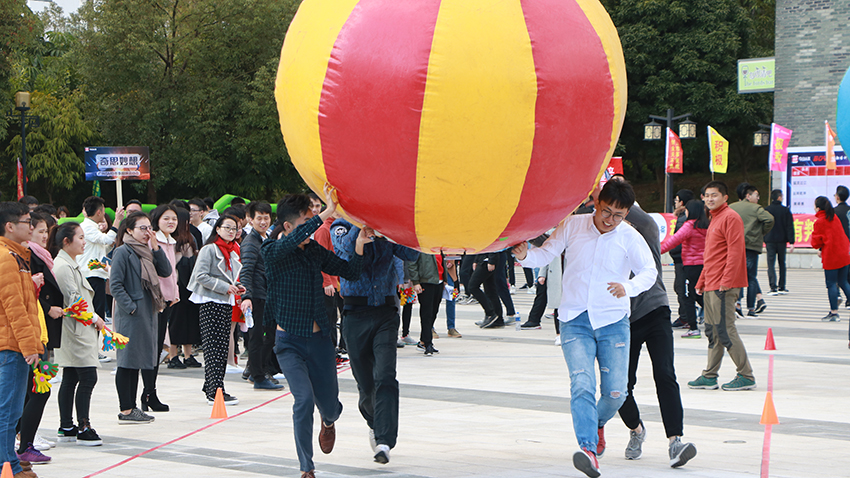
point(633, 450)
point(681, 453)
point(135, 417)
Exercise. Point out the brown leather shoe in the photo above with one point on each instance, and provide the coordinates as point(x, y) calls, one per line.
point(26, 474)
point(327, 438)
point(308, 474)
point(26, 466)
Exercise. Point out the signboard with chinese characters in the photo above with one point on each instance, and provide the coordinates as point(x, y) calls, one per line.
point(110, 163)
point(807, 177)
point(756, 75)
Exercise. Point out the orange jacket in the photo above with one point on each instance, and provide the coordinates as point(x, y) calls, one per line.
point(19, 327)
point(725, 261)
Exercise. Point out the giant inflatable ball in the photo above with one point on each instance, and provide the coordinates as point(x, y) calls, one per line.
point(453, 125)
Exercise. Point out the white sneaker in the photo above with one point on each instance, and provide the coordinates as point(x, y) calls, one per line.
point(56, 380)
point(513, 289)
point(372, 442)
point(234, 369)
point(382, 454)
point(40, 444)
point(162, 356)
point(558, 340)
point(39, 440)
point(103, 358)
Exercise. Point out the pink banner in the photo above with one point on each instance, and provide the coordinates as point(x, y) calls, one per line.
point(780, 136)
point(674, 154)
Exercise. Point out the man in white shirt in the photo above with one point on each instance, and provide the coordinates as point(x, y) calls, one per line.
point(600, 254)
point(98, 245)
point(197, 209)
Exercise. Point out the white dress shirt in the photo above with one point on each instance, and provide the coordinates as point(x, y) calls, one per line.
point(592, 260)
point(98, 245)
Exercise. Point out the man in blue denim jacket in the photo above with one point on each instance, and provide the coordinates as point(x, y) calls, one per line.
point(371, 328)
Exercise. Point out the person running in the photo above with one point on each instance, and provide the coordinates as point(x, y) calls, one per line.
point(692, 239)
point(214, 284)
point(723, 275)
point(20, 345)
point(296, 304)
point(834, 251)
point(601, 253)
point(371, 317)
point(77, 354)
point(139, 261)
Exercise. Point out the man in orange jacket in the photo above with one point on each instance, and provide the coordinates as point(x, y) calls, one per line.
point(20, 333)
point(723, 276)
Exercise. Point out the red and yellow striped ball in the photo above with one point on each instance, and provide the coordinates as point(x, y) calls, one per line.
point(454, 125)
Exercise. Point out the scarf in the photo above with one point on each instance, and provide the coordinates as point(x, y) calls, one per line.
point(150, 280)
point(226, 248)
point(42, 254)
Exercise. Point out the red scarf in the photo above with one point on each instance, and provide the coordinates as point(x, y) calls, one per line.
point(226, 248)
point(439, 259)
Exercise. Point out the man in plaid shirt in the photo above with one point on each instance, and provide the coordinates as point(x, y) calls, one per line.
point(295, 302)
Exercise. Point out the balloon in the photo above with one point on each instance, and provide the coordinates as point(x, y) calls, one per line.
point(453, 125)
point(842, 124)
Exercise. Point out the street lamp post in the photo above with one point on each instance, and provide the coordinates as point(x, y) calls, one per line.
point(22, 102)
point(652, 132)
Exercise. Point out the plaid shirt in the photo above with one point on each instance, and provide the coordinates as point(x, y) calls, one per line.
point(295, 297)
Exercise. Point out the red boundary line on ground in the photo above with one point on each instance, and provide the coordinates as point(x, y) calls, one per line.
point(127, 460)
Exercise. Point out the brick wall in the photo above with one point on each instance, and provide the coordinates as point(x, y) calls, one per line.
point(812, 56)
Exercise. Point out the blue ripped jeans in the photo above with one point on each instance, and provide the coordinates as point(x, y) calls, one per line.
point(583, 347)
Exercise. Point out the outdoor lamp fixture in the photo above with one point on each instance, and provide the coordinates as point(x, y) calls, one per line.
point(687, 129)
point(22, 105)
point(762, 136)
point(652, 131)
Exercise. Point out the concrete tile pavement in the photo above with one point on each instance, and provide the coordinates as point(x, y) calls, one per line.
point(495, 403)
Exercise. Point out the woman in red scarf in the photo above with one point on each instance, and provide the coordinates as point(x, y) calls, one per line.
point(215, 285)
point(834, 249)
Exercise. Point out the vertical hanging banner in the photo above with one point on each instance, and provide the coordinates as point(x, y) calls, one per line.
point(718, 148)
point(830, 147)
point(780, 136)
point(20, 180)
point(673, 152)
point(615, 166)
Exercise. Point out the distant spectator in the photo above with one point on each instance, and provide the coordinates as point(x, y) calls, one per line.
point(842, 209)
point(777, 239)
point(679, 202)
point(133, 205)
point(834, 250)
point(97, 245)
point(211, 213)
point(757, 223)
point(63, 212)
point(237, 201)
point(315, 203)
point(30, 201)
point(197, 209)
point(48, 209)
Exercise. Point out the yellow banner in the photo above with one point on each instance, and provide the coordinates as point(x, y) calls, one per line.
point(719, 151)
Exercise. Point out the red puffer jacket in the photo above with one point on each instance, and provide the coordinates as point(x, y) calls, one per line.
point(828, 236)
point(692, 240)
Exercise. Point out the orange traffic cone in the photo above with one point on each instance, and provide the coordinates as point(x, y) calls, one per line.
point(768, 343)
point(768, 416)
point(7, 470)
point(219, 410)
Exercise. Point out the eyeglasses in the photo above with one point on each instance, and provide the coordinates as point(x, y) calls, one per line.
point(27, 222)
point(606, 213)
point(144, 228)
point(194, 211)
point(230, 228)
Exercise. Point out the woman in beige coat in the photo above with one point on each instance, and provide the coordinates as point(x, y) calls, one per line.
point(77, 354)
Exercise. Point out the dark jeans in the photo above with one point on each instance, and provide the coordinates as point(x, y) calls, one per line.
point(260, 343)
point(836, 278)
point(371, 337)
point(502, 287)
point(692, 273)
point(70, 394)
point(98, 285)
point(127, 384)
point(680, 288)
point(775, 250)
point(529, 276)
point(309, 364)
point(406, 313)
point(753, 288)
point(33, 411)
point(149, 376)
point(539, 306)
point(653, 329)
point(488, 298)
point(510, 268)
point(465, 272)
point(429, 305)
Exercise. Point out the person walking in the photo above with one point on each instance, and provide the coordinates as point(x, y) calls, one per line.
point(20, 346)
point(834, 251)
point(691, 237)
point(775, 241)
point(214, 284)
point(679, 282)
point(757, 223)
point(724, 273)
point(77, 354)
point(426, 273)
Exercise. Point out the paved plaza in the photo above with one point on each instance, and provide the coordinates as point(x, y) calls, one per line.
point(495, 403)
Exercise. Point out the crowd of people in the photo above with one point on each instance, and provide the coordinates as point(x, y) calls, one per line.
point(310, 291)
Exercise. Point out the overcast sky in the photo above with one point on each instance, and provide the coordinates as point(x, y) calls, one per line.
point(68, 6)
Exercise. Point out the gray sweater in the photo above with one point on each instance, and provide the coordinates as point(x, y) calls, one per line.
point(656, 296)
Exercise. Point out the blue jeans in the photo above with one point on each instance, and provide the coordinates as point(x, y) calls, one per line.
point(450, 306)
point(836, 278)
point(309, 364)
point(582, 347)
point(13, 389)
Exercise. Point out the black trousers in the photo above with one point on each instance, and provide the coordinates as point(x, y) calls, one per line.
point(371, 334)
point(99, 300)
point(692, 273)
point(529, 276)
point(127, 385)
point(654, 330)
point(333, 306)
point(539, 306)
point(465, 272)
point(679, 287)
point(502, 287)
point(406, 314)
point(260, 343)
point(510, 268)
point(76, 389)
point(34, 404)
point(429, 305)
point(775, 251)
point(149, 376)
point(488, 298)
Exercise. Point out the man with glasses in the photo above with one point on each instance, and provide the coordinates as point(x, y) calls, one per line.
point(197, 209)
point(20, 343)
point(600, 254)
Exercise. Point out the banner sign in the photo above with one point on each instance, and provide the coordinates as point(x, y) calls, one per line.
point(756, 75)
point(807, 177)
point(20, 180)
point(110, 163)
point(803, 227)
point(615, 166)
point(830, 146)
point(780, 136)
point(718, 148)
point(673, 152)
